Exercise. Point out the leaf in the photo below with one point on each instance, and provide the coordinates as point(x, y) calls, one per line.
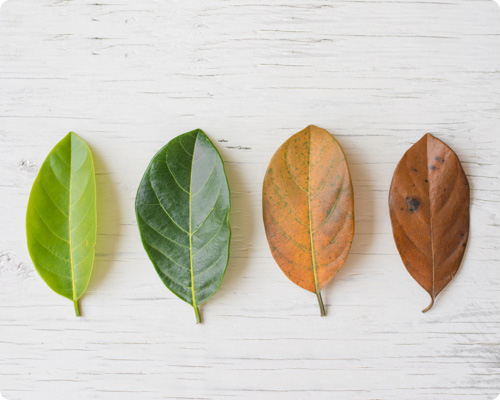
point(61, 219)
point(429, 208)
point(308, 208)
point(182, 208)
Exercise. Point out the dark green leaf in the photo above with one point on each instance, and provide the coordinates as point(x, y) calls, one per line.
point(61, 218)
point(182, 209)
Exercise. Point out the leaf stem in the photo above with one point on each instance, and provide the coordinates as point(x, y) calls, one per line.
point(321, 305)
point(430, 305)
point(77, 308)
point(197, 313)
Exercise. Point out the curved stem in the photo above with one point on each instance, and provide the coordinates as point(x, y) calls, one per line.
point(77, 308)
point(321, 305)
point(430, 305)
point(197, 313)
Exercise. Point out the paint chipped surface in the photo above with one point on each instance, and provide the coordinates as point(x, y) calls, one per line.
point(27, 167)
point(12, 269)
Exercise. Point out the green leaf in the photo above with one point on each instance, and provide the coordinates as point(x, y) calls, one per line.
point(61, 219)
point(182, 209)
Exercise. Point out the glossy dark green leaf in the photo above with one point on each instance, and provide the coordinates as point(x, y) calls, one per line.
point(61, 219)
point(182, 209)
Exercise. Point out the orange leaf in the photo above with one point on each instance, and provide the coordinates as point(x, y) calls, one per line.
point(429, 208)
point(308, 208)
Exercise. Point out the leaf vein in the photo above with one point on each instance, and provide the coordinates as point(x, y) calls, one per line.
point(331, 210)
point(290, 172)
point(287, 206)
point(211, 240)
point(205, 184)
point(167, 256)
point(323, 184)
point(288, 237)
point(48, 227)
point(161, 234)
point(83, 259)
point(210, 212)
point(83, 218)
point(52, 200)
point(46, 248)
point(173, 176)
point(337, 235)
point(187, 152)
point(210, 266)
point(166, 212)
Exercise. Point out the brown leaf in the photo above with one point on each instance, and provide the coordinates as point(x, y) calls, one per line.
point(308, 208)
point(429, 208)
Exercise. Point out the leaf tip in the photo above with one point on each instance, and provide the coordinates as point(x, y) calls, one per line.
point(72, 136)
point(199, 131)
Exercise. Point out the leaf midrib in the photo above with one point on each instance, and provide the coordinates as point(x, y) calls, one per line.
point(73, 283)
point(193, 292)
point(433, 256)
point(311, 233)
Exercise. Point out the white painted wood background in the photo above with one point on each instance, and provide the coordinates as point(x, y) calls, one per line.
point(128, 76)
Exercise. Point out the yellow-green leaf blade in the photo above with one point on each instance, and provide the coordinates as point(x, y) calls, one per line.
point(61, 218)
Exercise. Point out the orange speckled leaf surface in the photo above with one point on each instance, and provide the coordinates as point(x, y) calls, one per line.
point(308, 208)
point(429, 208)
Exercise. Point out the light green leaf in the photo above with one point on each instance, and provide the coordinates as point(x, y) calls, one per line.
point(182, 209)
point(61, 219)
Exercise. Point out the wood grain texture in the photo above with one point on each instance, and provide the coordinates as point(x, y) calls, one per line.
point(429, 207)
point(129, 76)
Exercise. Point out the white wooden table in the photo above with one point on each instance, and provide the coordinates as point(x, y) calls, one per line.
point(128, 76)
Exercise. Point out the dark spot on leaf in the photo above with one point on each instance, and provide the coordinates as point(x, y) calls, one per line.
point(413, 204)
point(426, 181)
point(432, 167)
point(414, 169)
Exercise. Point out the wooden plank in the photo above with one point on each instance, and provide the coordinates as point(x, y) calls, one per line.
point(130, 75)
